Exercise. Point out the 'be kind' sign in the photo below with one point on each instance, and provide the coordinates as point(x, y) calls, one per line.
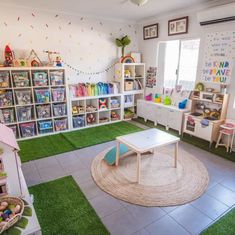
point(217, 72)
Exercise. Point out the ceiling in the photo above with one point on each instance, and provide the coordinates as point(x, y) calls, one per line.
point(109, 9)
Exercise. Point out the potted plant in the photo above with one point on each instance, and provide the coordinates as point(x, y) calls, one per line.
point(123, 42)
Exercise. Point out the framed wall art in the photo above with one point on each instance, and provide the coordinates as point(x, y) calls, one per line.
point(178, 26)
point(150, 31)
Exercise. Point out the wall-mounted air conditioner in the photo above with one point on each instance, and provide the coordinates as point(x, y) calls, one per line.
point(217, 14)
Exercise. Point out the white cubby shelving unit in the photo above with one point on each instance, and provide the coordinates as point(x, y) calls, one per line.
point(131, 77)
point(33, 100)
point(87, 111)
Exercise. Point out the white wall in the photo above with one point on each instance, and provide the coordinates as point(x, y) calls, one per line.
point(148, 48)
point(85, 43)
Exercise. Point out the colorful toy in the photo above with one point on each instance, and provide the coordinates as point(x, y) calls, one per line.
point(6, 98)
point(167, 100)
point(58, 61)
point(23, 97)
point(34, 59)
point(4, 79)
point(50, 59)
point(40, 79)
point(103, 103)
point(157, 98)
point(90, 118)
point(61, 124)
point(45, 127)
point(27, 129)
point(42, 96)
point(148, 97)
point(59, 109)
point(58, 94)
point(43, 111)
point(127, 73)
point(24, 113)
point(9, 56)
point(114, 116)
point(90, 108)
point(114, 103)
point(57, 77)
point(182, 104)
point(21, 79)
point(78, 121)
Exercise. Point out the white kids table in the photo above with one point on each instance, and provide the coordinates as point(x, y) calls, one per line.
point(144, 141)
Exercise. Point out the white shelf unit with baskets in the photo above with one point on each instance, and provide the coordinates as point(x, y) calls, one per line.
point(131, 77)
point(33, 100)
point(90, 111)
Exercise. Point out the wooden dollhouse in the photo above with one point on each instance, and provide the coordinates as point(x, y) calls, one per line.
point(10, 183)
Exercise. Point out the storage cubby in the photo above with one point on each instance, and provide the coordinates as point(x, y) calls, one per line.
point(91, 105)
point(78, 107)
point(33, 100)
point(115, 102)
point(91, 118)
point(5, 81)
point(115, 115)
point(103, 103)
point(40, 78)
point(131, 78)
point(79, 121)
point(21, 78)
point(104, 116)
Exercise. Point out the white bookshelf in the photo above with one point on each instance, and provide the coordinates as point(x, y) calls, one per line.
point(31, 87)
point(131, 85)
point(102, 115)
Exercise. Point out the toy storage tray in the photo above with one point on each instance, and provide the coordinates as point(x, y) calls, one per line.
point(45, 126)
point(24, 113)
point(23, 97)
point(42, 95)
point(21, 79)
point(57, 77)
point(58, 94)
point(40, 78)
point(6, 98)
point(43, 111)
point(59, 110)
point(27, 129)
point(61, 124)
point(79, 121)
point(7, 116)
point(4, 79)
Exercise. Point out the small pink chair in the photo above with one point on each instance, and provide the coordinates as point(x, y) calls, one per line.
point(227, 129)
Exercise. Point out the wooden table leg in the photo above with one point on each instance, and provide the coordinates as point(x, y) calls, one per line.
point(117, 153)
point(176, 153)
point(138, 167)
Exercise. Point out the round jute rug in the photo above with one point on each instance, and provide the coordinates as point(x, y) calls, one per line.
point(160, 185)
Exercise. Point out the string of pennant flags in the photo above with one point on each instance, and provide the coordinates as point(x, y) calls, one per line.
point(78, 71)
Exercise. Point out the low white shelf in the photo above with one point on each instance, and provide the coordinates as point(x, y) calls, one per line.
point(167, 115)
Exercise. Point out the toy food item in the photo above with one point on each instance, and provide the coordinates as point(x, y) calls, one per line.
point(3, 206)
point(16, 210)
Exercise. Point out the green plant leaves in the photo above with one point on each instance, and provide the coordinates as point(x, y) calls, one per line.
point(118, 42)
point(126, 40)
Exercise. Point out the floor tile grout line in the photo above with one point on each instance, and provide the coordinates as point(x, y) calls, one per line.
point(233, 191)
point(179, 224)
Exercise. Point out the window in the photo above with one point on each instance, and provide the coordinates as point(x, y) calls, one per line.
point(178, 60)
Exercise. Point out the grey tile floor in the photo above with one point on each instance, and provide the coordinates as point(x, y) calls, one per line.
point(122, 218)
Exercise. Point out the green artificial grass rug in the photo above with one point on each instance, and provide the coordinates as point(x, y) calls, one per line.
point(64, 142)
point(200, 143)
point(224, 226)
point(62, 209)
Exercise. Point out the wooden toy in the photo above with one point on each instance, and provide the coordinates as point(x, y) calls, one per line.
point(50, 59)
point(90, 118)
point(9, 56)
point(103, 103)
point(34, 59)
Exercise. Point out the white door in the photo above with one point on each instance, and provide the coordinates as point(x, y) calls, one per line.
point(174, 119)
point(161, 115)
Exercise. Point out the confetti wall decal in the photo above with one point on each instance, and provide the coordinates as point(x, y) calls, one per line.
point(86, 45)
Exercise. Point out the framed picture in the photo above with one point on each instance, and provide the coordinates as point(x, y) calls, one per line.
point(150, 31)
point(178, 26)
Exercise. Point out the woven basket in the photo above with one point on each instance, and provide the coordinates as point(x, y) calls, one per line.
point(17, 217)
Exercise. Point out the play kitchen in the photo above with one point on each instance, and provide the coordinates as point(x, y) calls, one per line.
point(208, 112)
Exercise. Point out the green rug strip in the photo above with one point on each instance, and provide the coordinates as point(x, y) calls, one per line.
point(64, 142)
point(200, 143)
point(224, 226)
point(62, 209)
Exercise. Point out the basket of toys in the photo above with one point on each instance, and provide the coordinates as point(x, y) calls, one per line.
point(11, 210)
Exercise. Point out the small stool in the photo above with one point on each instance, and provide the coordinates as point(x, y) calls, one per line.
point(227, 130)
